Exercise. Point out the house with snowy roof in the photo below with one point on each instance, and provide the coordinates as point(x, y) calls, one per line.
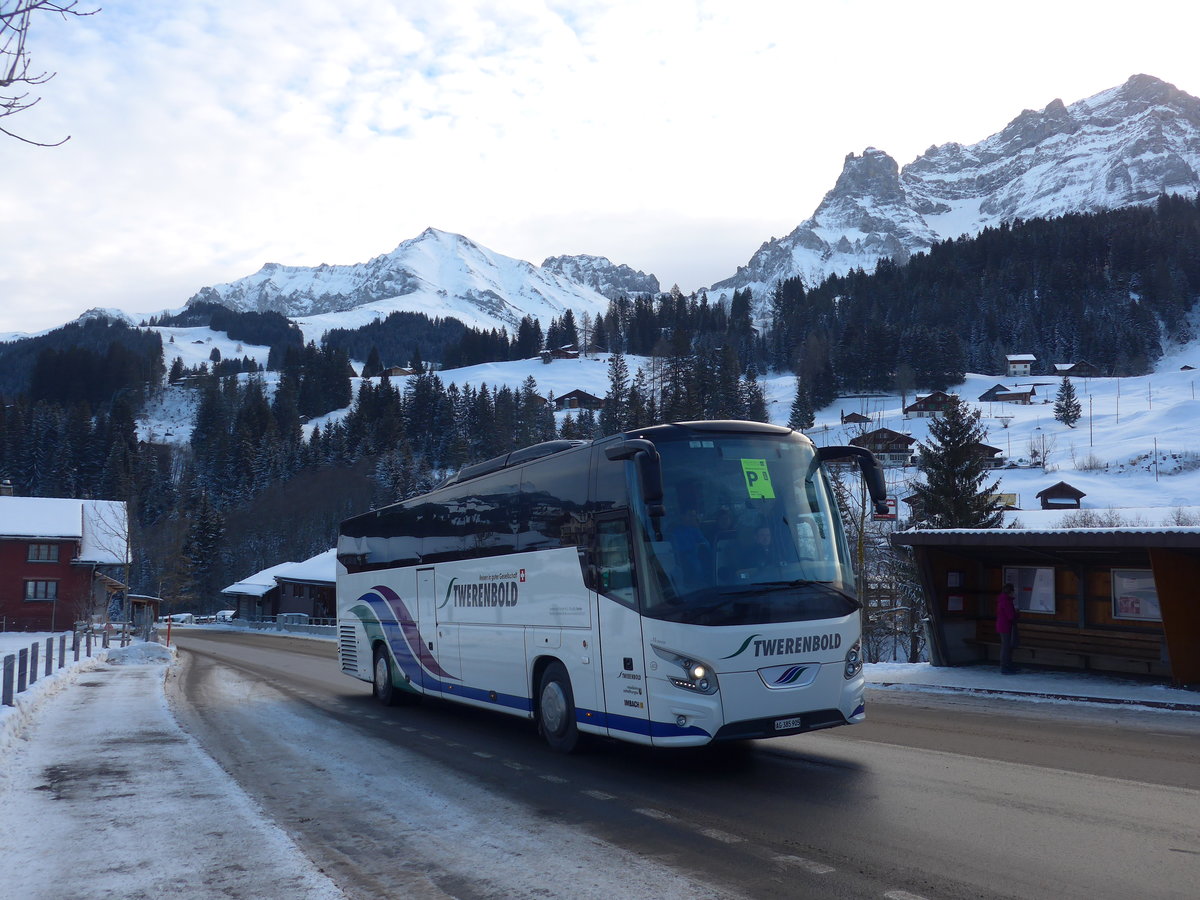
point(309, 587)
point(1019, 365)
point(256, 595)
point(292, 588)
point(578, 399)
point(929, 405)
point(890, 447)
point(61, 561)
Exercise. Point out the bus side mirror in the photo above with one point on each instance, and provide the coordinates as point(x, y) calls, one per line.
point(649, 465)
point(872, 471)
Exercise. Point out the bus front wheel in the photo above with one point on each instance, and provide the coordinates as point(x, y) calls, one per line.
point(384, 690)
point(556, 709)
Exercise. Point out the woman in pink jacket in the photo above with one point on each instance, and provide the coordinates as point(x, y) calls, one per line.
point(1006, 627)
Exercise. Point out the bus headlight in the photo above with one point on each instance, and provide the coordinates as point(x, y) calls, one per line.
point(693, 675)
point(854, 660)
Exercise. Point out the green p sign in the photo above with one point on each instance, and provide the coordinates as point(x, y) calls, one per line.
point(758, 479)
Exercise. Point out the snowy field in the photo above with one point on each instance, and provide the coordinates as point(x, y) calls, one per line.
point(1135, 452)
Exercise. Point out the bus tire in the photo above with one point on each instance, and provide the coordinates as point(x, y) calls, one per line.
point(556, 709)
point(381, 681)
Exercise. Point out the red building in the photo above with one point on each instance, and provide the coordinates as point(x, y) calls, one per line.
point(60, 560)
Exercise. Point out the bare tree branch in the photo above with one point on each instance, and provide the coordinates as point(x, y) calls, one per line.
point(15, 16)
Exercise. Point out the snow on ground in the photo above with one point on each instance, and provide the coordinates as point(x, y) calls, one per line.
point(102, 794)
point(121, 791)
point(1136, 450)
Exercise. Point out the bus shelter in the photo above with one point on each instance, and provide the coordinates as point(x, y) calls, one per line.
point(1118, 600)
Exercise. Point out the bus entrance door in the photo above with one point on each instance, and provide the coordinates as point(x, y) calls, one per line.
point(437, 644)
point(622, 662)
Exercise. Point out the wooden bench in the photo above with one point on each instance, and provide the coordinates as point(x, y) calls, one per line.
point(1084, 648)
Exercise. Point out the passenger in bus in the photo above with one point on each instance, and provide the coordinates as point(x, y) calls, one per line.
point(722, 527)
point(758, 553)
point(693, 553)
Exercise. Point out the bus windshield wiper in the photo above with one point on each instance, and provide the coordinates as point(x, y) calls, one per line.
point(771, 586)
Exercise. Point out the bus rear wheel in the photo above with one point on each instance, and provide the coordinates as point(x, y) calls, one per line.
point(556, 709)
point(381, 683)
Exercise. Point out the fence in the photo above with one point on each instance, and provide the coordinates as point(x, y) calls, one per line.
point(21, 669)
point(290, 622)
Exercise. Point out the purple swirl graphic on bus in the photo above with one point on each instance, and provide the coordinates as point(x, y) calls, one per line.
point(391, 610)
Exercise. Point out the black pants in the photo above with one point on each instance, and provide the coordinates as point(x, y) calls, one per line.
point(1006, 650)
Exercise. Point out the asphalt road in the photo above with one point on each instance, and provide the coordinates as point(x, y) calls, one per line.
point(935, 797)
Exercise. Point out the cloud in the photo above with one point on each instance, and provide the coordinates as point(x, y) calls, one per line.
point(209, 137)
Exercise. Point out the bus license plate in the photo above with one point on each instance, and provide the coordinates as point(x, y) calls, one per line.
point(785, 724)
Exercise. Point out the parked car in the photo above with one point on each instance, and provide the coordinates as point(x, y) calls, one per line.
point(226, 615)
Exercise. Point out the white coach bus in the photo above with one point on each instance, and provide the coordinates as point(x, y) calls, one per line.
point(670, 586)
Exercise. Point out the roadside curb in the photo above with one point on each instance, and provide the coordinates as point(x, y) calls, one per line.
point(1170, 705)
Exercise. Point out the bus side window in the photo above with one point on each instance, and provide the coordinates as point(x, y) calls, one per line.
point(614, 562)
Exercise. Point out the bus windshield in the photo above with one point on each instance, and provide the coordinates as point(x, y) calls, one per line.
point(750, 534)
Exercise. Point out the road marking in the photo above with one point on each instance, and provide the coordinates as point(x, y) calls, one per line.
point(553, 779)
point(431, 737)
point(600, 795)
point(723, 836)
point(654, 814)
point(483, 755)
point(515, 765)
point(808, 865)
point(902, 895)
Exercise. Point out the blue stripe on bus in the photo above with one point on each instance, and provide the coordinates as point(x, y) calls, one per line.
point(636, 725)
point(398, 637)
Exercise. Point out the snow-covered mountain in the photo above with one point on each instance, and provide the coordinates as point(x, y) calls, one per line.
point(436, 273)
point(1122, 147)
point(602, 275)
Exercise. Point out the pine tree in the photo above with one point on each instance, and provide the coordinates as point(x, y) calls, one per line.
point(374, 364)
point(802, 417)
point(1067, 408)
point(754, 399)
point(954, 495)
point(570, 333)
point(614, 416)
point(599, 338)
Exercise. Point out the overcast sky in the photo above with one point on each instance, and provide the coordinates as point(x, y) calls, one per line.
point(209, 137)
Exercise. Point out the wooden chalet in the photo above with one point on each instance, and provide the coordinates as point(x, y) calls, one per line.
point(993, 392)
point(578, 399)
point(1019, 396)
point(1081, 369)
point(890, 447)
point(855, 418)
point(930, 405)
point(569, 351)
point(989, 456)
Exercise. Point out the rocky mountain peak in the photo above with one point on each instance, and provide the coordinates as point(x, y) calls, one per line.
point(602, 275)
point(874, 174)
point(1123, 146)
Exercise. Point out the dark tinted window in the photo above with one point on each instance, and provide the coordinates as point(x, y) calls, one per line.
point(554, 497)
point(609, 490)
point(479, 518)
